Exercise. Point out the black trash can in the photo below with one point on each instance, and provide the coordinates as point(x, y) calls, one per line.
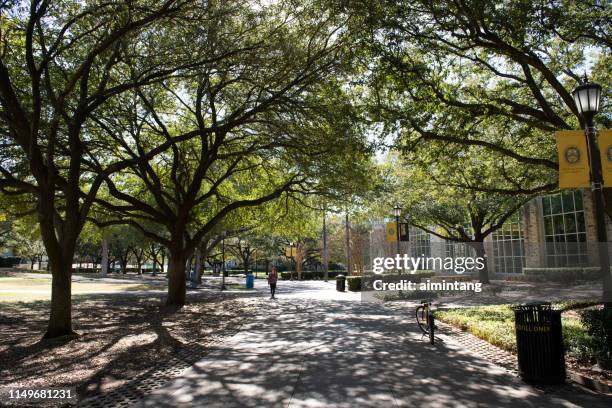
point(340, 283)
point(539, 343)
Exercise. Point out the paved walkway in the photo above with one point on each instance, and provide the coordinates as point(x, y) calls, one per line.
point(319, 348)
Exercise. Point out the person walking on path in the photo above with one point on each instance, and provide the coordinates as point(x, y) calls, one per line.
point(272, 278)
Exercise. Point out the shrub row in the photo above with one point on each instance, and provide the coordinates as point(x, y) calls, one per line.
point(406, 295)
point(561, 274)
point(354, 283)
point(116, 270)
point(598, 323)
point(310, 275)
point(458, 278)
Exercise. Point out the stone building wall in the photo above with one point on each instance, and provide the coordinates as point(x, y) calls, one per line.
point(533, 234)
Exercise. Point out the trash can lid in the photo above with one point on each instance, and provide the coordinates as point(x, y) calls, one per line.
point(537, 303)
point(340, 276)
point(533, 303)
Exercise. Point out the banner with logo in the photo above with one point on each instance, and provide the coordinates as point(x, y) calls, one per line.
point(605, 150)
point(573, 159)
point(392, 232)
point(404, 232)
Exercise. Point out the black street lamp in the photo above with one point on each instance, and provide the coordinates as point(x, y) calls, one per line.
point(587, 96)
point(397, 211)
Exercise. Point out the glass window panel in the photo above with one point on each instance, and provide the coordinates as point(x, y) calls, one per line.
point(546, 205)
point(570, 223)
point(558, 224)
point(578, 200)
point(555, 204)
point(580, 226)
point(548, 226)
point(573, 260)
point(568, 201)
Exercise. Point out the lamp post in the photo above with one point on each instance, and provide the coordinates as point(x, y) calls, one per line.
point(397, 211)
point(292, 258)
point(325, 263)
point(587, 96)
point(223, 260)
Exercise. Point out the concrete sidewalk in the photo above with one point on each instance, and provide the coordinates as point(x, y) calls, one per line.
point(312, 352)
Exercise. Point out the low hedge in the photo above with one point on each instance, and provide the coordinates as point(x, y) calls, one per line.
point(424, 274)
point(406, 295)
point(598, 323)
point(586, 339)
point(86, 270)
point(354, 283)
point(458, 278)
point(562, 274)
point(310, 275)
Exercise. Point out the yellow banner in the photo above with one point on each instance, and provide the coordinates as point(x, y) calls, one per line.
point(391, 232)
point(605, 150)
point(573, 159)
point(290, 252)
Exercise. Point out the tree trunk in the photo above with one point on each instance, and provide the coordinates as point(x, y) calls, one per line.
point(60, 319)
point(176, 279)
point(483, 274)
point(104, 263)
point(197, 275)
point(32, 264)
point(188, 271)
point(60, 253)
point(348, 245)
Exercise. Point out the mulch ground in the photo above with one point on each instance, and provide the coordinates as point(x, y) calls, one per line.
point(121, 338)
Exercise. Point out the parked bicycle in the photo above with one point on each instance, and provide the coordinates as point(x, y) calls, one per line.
point(425, 319)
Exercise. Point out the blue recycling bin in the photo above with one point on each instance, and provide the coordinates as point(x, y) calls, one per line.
point(250, 280)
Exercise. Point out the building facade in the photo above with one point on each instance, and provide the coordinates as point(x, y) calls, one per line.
point(551, 231)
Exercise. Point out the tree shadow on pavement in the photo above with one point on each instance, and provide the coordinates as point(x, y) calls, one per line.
point(121, 338)
point(347, 354)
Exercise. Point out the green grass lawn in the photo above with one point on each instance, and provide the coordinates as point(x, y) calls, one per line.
point(19, 289)
point(495, 324)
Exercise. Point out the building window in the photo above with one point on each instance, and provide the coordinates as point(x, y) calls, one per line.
point(420, 244)
point(564, 229)
point(509, 246)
